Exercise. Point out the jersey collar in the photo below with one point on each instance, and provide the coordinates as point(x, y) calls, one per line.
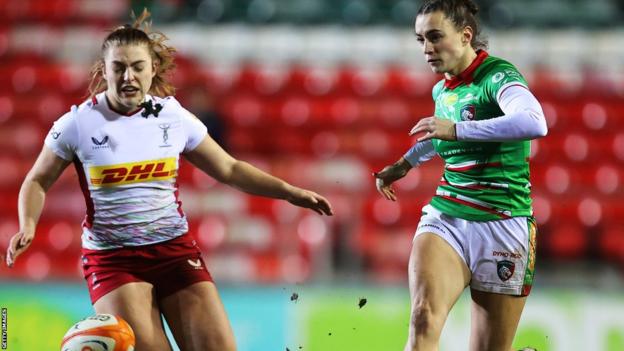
point(466, 76)
point(126, 114)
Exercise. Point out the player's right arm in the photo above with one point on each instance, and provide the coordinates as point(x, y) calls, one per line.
point(39, 179)
point(46, 170)
point(57, 153)
point(421, 151)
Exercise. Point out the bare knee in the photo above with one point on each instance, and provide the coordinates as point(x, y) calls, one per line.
point(425, 320)
point(425, 328)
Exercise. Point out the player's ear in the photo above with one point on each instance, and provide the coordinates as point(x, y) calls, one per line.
point(104, 70)
point(467, 35)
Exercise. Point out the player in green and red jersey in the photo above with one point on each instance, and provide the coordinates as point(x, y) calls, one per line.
point(478, 229)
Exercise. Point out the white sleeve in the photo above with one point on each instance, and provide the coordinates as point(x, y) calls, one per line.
point(523, 118)
point(419, 153)
point(195, 130)
point(63, 136)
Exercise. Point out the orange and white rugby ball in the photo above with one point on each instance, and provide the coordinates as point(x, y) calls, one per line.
point(101, 332)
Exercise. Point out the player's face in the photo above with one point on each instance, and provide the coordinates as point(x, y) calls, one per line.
point(444, 47)
point(128, 70)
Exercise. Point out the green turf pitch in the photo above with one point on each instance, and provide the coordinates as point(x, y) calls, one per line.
point(337, 322)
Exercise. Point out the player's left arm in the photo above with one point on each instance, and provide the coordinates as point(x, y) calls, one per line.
point(216, 162)
point(523, 119)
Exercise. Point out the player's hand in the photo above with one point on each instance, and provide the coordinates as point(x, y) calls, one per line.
point(18, 244)
point(388, 175)
point(309, 199)
point(435, 128)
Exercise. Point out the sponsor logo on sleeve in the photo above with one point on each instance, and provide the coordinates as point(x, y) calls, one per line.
point(127, 173)
point(55, 134)
point(498, 77)
point(512, 73)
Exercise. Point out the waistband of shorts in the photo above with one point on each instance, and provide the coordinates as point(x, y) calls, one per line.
point(182, 239)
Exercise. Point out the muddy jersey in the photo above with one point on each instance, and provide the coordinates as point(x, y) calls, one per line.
point(127, 167)
point(482, 181)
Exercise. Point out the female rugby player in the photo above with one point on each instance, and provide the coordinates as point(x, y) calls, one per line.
point(478, 230)
point(126, 142)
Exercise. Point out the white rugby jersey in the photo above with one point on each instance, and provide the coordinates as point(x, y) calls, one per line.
point(127, 166)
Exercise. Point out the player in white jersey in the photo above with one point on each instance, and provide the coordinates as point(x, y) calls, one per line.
point(125, 143)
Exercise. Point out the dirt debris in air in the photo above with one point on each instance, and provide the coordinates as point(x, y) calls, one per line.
point(362, 302)
point(294, 297)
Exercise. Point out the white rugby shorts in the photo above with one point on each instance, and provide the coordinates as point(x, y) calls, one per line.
point(500, 253)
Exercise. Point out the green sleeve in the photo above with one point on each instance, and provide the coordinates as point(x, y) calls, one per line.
point(501, 74)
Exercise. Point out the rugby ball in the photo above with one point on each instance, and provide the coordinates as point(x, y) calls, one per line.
point(101, 332)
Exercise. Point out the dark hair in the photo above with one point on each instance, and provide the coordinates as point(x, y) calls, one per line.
point(138, 33)
point(462, 13)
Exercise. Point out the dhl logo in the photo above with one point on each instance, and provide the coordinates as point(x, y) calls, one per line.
point(126, 173)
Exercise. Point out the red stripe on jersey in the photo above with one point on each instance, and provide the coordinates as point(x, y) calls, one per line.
point(84, 186)
point(94, 100)
point(476, 165)
point(472, 186)
point(478, 207)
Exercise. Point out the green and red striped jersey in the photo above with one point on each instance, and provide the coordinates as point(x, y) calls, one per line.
point(482, 181)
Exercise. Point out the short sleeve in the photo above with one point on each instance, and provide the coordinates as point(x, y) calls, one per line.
point(63, 136)
point(502, 75)
point(195, 130)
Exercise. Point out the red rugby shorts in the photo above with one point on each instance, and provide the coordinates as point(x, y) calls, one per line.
point(169, 266)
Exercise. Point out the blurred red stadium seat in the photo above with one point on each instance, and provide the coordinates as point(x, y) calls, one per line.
point(327, 127)
point(611, 243)
point(567, 240)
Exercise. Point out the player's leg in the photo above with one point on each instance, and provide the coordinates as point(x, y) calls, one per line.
point(494, 320)
point(503, 279)
point(197, 318)
point(135, 302)
point(437, 277)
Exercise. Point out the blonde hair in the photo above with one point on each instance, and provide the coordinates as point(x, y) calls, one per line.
point(138, 33)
